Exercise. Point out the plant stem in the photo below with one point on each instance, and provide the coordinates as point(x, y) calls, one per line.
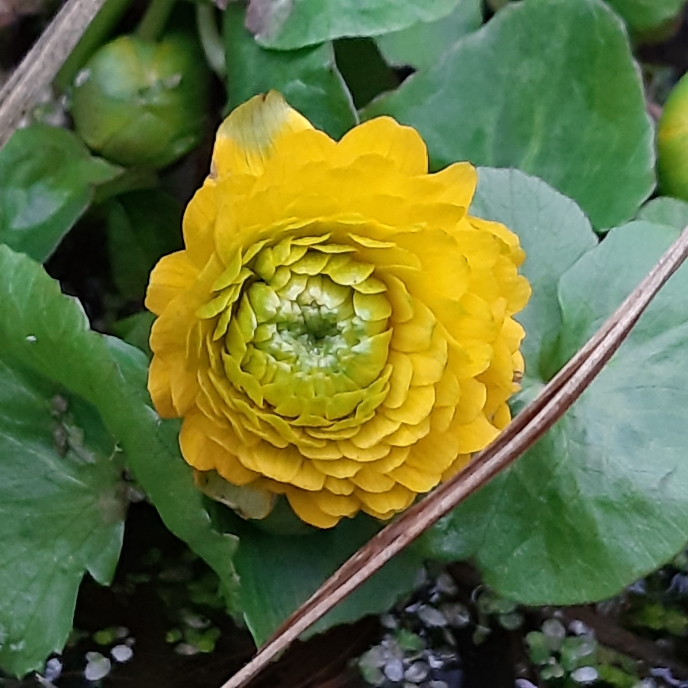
point(211, 41)
point(132, 179)
point(99, 29)
point(154, 20)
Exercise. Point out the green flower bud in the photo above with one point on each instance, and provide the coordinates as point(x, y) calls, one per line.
point(142, 103)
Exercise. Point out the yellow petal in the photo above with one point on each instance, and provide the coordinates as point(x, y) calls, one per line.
point(307, 510)
point(281, 465)
point(400, 380)
point(309, 478)
point(248, 137)
point(335, 505)
point(415, 479)
point(338, 486)
point(160, 388)
point(198, 224)
point(372, 481)
point(341, 468)
point(173, 274)
point(476, 435)
point(397, 499)
point(417, 406)
point(385, 137)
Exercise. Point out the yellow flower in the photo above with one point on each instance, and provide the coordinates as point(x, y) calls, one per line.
point(338, 329)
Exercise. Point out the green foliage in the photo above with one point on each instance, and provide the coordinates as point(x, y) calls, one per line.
point(422, 45)
point(547, 87)
point(61, 511)
point(273, 585)
point(46, 334)
point(587, 493)
point(571, 113)
point(142, 226)
point(47, 180)
point(642, 15)
point(288, 26)
point(665, 211)
point(308, 78)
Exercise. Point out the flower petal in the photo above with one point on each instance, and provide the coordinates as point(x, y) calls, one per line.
point(248, 137)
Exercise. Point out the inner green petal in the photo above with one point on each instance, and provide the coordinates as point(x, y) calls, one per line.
point(308, 333)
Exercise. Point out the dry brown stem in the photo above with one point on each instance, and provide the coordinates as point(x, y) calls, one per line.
point(43, 61)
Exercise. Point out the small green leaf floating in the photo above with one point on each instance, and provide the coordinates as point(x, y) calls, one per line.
point(47, 181)
point(288, 26)
point(602, 499)
point(308, 78)
point(61, 512)
point(573, 114)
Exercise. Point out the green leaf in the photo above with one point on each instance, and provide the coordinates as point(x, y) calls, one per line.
point(48, 332)
point(61, 512)
point(572, 113)
point(642, 15)
point(602, 499)
point(142, 226)
point(287, 26)
point(307, 78)
point(554, 234)
point(279, 572)
point(665, 211)
point(47, 180)
point(423, 45)
point(135, 330)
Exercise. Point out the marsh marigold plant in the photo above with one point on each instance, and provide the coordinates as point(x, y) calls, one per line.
point(338, 329)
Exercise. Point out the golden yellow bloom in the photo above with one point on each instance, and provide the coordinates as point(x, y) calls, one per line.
point(338, 329)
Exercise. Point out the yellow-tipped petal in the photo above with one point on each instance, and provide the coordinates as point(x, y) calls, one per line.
point(249, 136)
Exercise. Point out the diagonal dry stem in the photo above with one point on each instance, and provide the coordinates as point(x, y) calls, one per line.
point(43, 61)
point(554, 400)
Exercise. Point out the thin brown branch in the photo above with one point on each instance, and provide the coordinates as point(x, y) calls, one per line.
point(43, 61)
point(531, 424)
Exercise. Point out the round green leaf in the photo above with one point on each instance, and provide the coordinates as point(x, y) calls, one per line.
point(665, 211)
point(423, 45)
point(642, 15)
point(47, 180)
point(61, 512)
point(48, 332)
point(602, 499)
point(287, 26)
point(572, 113)
point(307, 78)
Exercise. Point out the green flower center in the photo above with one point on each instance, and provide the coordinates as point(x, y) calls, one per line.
point(310, 338)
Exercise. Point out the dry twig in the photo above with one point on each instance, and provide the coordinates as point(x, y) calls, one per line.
point(43, 61)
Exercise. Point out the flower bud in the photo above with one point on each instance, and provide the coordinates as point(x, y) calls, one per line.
point(140, 103)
